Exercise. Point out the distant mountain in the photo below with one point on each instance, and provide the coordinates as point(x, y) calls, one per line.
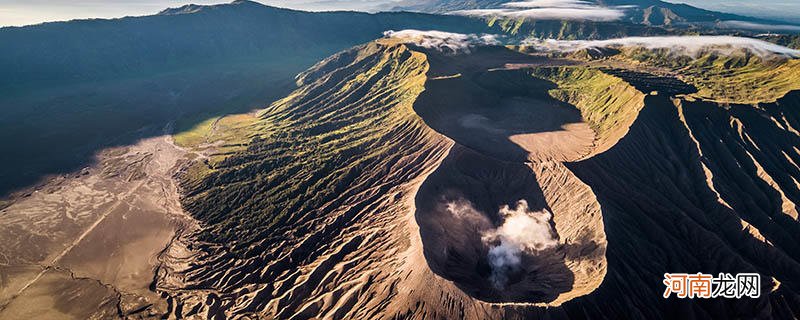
point(656, 12)
point(650, 12)
point(69, 88)
point(89, 50)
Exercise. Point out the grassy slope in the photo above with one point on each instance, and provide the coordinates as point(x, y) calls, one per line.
point(736, 78)
point(608, 103)
point(572, 30)
point(751, 81)
point(314, 145)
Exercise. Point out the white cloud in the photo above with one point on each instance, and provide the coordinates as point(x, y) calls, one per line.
point(327, 5)
point(550, 10)
point(452, 43)
point(734, 24)
point(687, 45)
point(551, 4)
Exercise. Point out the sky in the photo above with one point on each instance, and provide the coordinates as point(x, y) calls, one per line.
point(25, 12)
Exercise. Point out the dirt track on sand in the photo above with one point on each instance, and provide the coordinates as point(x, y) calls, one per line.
point(87, 245)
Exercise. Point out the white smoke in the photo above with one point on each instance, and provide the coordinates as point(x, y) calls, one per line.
point(522, 231)
point(463, 210)
point(550, 10)
point(447, 42)
point(686, 45)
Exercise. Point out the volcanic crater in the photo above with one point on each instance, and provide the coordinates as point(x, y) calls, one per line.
point(485, 220)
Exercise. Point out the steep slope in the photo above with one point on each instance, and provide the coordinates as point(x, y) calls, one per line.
point(738, 77)
point(722, 74)
point(656, 12)
point(572, 30)
point(352, 201)
point(790, 41)
point(320, 193)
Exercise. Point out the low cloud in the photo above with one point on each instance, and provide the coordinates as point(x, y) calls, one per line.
point(522, 231)
point(550, 10)
point(686, 45)
point(452, 43)
point(734, 24)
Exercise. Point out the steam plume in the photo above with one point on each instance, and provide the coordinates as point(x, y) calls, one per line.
point(522, 231)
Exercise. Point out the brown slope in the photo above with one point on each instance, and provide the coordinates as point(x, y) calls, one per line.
point(664, 215)
point(320, 196)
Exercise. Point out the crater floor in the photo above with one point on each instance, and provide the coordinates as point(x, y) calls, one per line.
point(506, 126)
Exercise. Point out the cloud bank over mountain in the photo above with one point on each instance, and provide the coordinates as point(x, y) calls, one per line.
point(688, 45)
point(746, 25)
point(551, 10)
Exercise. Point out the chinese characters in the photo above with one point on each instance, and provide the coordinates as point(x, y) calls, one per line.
point(706, 286)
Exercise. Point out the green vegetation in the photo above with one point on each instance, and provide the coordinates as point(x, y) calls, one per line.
point(219, 137)
point(352, 116)
point(197, 135)
point(645, 12)
point(229, 128)
point(59, 129)
point(739, 77)
point(573, 30)
point(609, 104)
point(786, 40)
point(743, 80)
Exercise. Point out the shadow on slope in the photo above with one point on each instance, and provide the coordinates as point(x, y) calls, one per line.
point(663, 213)
point(72, 88)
